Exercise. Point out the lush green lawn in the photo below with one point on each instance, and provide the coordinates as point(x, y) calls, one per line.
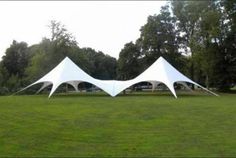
point(134, 125)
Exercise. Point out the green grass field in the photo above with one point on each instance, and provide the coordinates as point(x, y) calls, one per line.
point(135, 125)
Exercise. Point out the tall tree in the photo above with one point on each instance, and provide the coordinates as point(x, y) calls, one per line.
point(226, 64)
point(15, 59)
point(207, 28)
point(159, 37)
point(61, 42)
point(188, 15)
point(100, 65)
point(51, 51)
point(14, 63)
point(205, 44)
point(128, 63)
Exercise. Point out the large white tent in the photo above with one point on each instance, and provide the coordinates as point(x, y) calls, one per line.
point(159, 72)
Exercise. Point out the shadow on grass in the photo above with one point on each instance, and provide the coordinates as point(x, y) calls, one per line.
point(233, 91)
point(133, 94)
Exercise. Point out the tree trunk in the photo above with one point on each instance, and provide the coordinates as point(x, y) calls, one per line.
point(66, 87)
point(132, 89)
point(207, 81)
point(192, 73)
point(124, 92)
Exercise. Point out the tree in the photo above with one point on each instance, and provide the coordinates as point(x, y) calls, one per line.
point(229, 45)
point(188, 15)
point(159, 37)
point(61, 42)
point(50, 52)
point(15, 59)
point(208, 29)
point(47, 54)
point(100, 66)
point(128, 63)
point(13, 65)
point(205, 44)
point(60, 34)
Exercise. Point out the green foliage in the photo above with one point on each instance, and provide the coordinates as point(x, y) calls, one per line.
point(50, 52)
point(129, 65)
point(159, 37)
point(37, 66)
point(100, 66)
point(23, 65)
point(4, 91)
point(204, 30)
point(15, 59)
point(227, 56)
point(3, 74)
point(230, 11)
point(13, 83)
point(207, 27)
point(13, 65)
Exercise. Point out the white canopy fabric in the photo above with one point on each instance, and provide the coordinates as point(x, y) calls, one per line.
point(159, 72)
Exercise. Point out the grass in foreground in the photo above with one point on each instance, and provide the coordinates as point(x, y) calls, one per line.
point(135, 125)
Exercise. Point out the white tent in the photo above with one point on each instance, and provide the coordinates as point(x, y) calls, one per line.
point(159, 72)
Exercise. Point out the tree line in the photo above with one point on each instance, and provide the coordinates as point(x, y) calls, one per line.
point(197, 37)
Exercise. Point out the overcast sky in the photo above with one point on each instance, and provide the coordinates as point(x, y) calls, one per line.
point(101, 25)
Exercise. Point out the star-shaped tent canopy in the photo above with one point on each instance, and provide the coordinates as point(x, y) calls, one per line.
point(159, 72)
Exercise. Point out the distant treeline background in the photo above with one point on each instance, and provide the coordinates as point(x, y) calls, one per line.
point(197, 37)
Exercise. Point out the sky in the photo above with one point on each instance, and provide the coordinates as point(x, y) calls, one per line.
point(102, 25)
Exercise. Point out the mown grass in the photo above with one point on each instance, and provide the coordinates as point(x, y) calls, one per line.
point(135, 125)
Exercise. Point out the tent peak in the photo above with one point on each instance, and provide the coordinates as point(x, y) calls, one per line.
point(68, 62)
point(67, 59)
point(162, 59)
